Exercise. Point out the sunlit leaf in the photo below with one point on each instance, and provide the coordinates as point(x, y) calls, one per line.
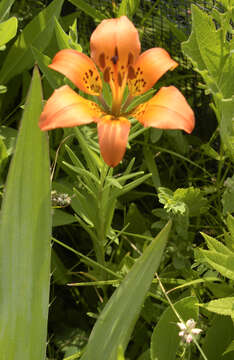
point(25, 240)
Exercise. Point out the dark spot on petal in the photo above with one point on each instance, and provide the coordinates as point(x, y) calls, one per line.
point(115, 58)
point(96, 78)
point(102, 60)
point(106, 74)
point(91, 72)
point(131, 73)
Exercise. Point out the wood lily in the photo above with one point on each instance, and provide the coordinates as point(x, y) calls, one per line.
point(115, 51)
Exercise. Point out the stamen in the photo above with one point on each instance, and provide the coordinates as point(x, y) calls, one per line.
point(119, 79)
point(130, 59)
point(131, 73)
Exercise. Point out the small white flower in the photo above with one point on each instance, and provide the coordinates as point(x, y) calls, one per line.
point(188, 330)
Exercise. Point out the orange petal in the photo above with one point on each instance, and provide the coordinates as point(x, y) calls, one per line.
point(150, 66)
point(168, 109)
point(113, 138)
point(78, 68)
point(65, 108)
point(115, 46)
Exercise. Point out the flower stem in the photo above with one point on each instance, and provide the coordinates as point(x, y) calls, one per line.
point(178, 316)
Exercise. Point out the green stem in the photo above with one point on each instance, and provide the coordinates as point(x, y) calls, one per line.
point(179, 317)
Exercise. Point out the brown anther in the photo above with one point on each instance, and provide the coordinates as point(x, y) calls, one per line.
point(130, 59)
point(119, 79)
point(131, 73)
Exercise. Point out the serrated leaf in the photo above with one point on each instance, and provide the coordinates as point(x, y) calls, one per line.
point(220, 262)
point(165, 338)
point(193, 198)
point(25, 233)
point(205, 46)
point(216, 245)
point(125, 304)
point(38, 34)
point(224, 306)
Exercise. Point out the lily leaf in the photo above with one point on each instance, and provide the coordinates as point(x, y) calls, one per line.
point(124, 306)
point(25, 233)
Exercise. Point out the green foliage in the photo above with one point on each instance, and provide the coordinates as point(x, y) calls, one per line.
point(165, 338)
point(89, 10)
point(107, 223)
point(182, 201)
point(228, 196)
point(124, 305)
point(212, 56)
point(38, 34)
point(8, 30)
point(215, 343)
point(25, 239)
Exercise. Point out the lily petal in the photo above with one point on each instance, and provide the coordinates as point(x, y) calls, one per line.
point(150, 66)
point(115, 46)
point(65, 108)
point(78, 68)
point(168, 109)
point(113, 138)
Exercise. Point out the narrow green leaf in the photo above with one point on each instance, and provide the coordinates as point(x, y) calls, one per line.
point(89, 10)
point(125, 304)
point(226, 124)
point(151, 165)
point(165, 339)
point(38, 34)
point(25, 240)
point(55, 79)
point(8, 30)
point(64, 41)
point(5, 7)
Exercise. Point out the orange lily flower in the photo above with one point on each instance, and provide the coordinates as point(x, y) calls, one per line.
point(115, 49)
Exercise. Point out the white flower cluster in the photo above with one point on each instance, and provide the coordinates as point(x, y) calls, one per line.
point(188, 330)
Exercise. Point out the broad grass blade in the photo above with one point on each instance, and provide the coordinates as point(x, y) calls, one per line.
point(116, 322)
point(25, 231)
